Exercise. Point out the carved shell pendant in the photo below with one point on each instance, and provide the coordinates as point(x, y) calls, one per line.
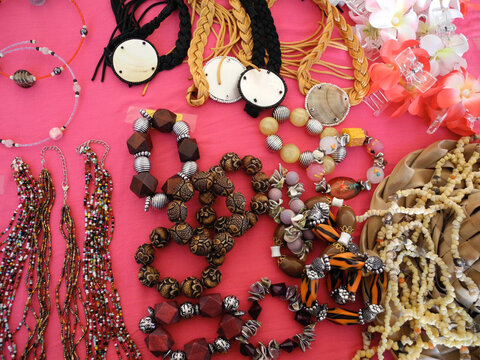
point(327, 103)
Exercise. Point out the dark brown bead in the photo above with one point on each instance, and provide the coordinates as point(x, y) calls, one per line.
point(278, 235)
point(163, 120)
point(211, 277)
point(206, 216)
point(237, 225)
point(181, 233)
point(315, 199)
point(259, 204)
point(169, 288)
point(197, 349)
point(247, 349)
point(252, 219)
point(223, 186)
point(184, 191)
point(236, 203)
point(143, 184)
point(217, 171)
point(177, 211)
point(230, 162)
point(288, 345)
point(255, 310)
point(304, 318)
point(192, 287)
point(166, 313)
point(139, 142)
point(201, 245)
point(159, 341)
point(223, 243)
point(145, 254)
point(291, 265)
point(279, 289)
point(148, 276)
point(203, 181)
point(188, 150)
point(210, 305)
point(201, 231)
point(346, 219)
point(207, 198)
point(215, 259)
point(260, 182)
point(160, 236)
point(230, 326)
point(171, 184)
point(251, 164)
point(220, 224)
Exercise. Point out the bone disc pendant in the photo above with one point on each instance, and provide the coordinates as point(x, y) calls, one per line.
point(327, 103)
point(225, 90)
point(135, 61)
point(263, 88)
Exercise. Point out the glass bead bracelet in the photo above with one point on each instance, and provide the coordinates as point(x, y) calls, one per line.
point(24, 79)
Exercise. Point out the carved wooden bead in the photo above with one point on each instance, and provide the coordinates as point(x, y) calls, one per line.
point(183, 191)
point(260, 182)
point(220, 224)
point(259, 204)
point(207, 198)
point(160, 236)
point(163, 120)
point(203, 181)
point(223, 186)
point(139, 142)
point(236, 203)
point(145, 254)
point(237, 225)
point(251, 164)
point(181, 233)
point(223, 243)
point(177, 211)
point(217, 170)
point(206, 216)
point(278, 235)
point(192, 287)
point(215, 259)
point(201, 230)
point(169, 288)
point(201, 245)
point(252, 218)
point(171, 184)
point(148, 276)
point(211, 277)
point(230, 162)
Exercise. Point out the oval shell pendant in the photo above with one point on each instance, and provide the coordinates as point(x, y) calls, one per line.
point(327, 103)
point(263, 88)
point(344, 188)
point(23, 78)
point(135, 61)
point(225, 88)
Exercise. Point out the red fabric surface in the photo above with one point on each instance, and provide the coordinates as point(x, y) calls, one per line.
point(27, 115)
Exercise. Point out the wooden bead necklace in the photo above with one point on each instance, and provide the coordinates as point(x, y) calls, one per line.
point(25, 79)
point(160, 342)
point(140, 145)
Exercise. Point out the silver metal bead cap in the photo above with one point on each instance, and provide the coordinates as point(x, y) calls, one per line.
point(306, 158)
point(314, 127)
point(181, 129)
point(281, 113)
point(141, 164)
point(141, 125)
point(340, 154)
point(142, 153)
point(178, 355)
point(221, 345)
point(189, 169)
point(274, 143)
point(159, 201)
point(186, 310)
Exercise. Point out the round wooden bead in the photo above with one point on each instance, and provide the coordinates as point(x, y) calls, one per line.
point(260, 182)
point(206, 216)
point(236, 203)
point(181, 233)
point(203, 181)
point(299, 117)
point(230, 162)
point(184, 191)
point(223, 243)
point(145, 254)
point(259, 204)
point(217, 170)
point(220, 224)
point(251, 164)
point(223, 186)
point(215, 259)
point(207, 198)
point(169, 288)
point(192, 287)
point(148, 276)
point(237, 225)
point(160, 236)
point(211, 277)
point(328, 131)
point(252, 218)
point(201, 245)
point(268, 126)
point(177, 211)
point(290, 153)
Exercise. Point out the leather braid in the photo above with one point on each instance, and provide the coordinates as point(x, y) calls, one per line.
point(258, 34)
point(272, 42)
point(245, 31)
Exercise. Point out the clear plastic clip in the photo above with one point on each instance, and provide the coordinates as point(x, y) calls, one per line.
point(413, 72)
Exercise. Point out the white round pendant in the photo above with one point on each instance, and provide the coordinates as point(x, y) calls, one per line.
point(225, 90)
point(327, 103)
point(135, 61)
point(263, 88)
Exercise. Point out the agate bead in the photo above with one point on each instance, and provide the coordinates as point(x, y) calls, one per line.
point(299, 117)
point(290, 153)
point(268, 126)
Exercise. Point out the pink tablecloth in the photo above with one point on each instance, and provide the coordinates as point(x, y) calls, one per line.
point(27, 115)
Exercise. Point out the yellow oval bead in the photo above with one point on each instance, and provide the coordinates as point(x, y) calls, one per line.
point(329, 131)
point(290, 153)
point(299, 117)
point(268, 126)
point(328, 164)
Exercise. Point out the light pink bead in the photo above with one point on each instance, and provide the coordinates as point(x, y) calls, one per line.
point(275, 194)
point(77, 87)
point(315, 171)
point(328, 144)
point(375, 175)
point(297, 205)
point(375, 146)
point(8, 143)
point(44, 50)
point(55, 133)
point(296, 245)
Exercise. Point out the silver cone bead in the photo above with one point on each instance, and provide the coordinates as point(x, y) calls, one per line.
point(306, 158)
point(314, 127)
point(189, 169)
point(340, 154)
point(181, 129)
point(142, 164)
point(281, 113)
point(159, 201)
point(274, 143)
point(141, 125)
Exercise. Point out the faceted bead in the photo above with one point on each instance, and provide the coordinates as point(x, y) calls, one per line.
point(315, 171)
point(291, 265)
point(290, 153)
point(375, 175)
point(166, 313)
point(255, 310)
point(143, 184)
point(288, 345)
point(188, 150)
point(139, 142)
point(210, 305)
point(171, 184)
point(247, 350)
point(230, 326)
point(163, 120)
point(303, 317)
point(197, 349)
point(299, 117)
point(344, 188)
point(279, 289)
point(159, 341)
point(268, 126)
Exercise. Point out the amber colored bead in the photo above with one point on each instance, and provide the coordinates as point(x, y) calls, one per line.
point(223, 243)
point(236, 203)
point(251, 164)
point(201, 245)
point(260, 182)
point(145, 254)
point(230, 162)
point(143, 184)
point(163, 120)
point(192, 287)
point(237, 225)
point(181, 233)
point(259, 204)
point(328, 164)
point(223, 186)
point(268, 126)
point(206, 216)
point(291, 265)
point(211, 277)
point(290, 153)
point(230, 326)
point(278, 235)
point(197, 349)
point(160, 236)
point(207, 198)
point(188, 150)
point(169, 288)
point(346, 219)
point(210, 305)
point(171, 184)
point(177, 211)
point(159, 341)
point(139, 142)
point(329, 131)
point(166, 313)
point(203, 181)
point(148, 276)
point(184, 191)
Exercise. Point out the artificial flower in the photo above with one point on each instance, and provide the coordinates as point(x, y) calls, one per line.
point(445, 54)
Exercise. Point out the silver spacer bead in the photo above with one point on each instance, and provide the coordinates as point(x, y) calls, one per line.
point(281, 113)
point(189, 169)
point(145, 114)
point(182, 130)
point(186, 310)
point(306, 158)
point(231, 303)
point(178, 355)
point(221, 345)
point(158, 201)
point(141, 164)
point(148, 201)
point(142, 153)
point(274, 143)
point(314, 127)
point(141, 125)
point(340, 154)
